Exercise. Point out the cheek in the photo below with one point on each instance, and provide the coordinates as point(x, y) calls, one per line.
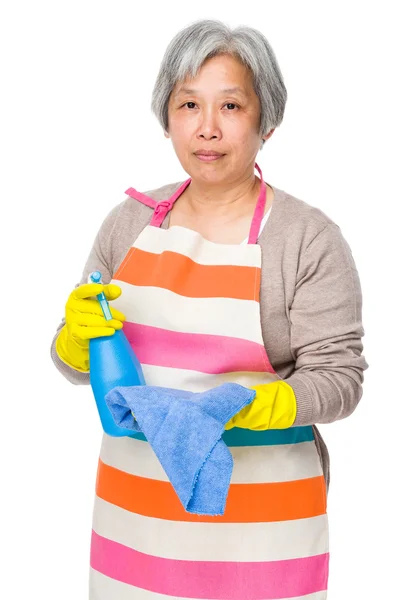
point(243, 136)
point(180, 127)
point(242, 126)
point(180, 138)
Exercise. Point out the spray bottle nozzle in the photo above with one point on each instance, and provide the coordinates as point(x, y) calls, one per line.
point(96, 277)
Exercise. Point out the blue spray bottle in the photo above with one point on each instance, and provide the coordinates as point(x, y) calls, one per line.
point(112, 363)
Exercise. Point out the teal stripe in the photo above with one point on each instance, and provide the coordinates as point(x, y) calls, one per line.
point(270, 437)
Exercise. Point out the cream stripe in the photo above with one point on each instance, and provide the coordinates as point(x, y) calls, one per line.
point(281, 540)
point(159, 307)
point(102, 587)
point(194, 381)
point(252, 464)
point(190, 243)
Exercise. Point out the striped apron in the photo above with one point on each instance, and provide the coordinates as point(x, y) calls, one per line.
point(193, 320)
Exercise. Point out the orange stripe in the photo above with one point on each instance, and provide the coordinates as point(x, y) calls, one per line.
point(246, 503)
point(180, 274)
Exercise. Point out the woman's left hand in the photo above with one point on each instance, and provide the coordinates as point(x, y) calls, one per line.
point(274, 407)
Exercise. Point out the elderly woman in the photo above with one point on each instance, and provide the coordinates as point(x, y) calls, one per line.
point(237, 281)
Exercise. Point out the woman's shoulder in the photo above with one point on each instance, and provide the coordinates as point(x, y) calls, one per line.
point(293, 219)
point(130, 209)
point(131, 204)
point(299, 210)
point(125, 221)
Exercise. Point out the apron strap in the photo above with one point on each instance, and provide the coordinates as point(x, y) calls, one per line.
point(141, 197)
point(162, 208)
point(259, 211)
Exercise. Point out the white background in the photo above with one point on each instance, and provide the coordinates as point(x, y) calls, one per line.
point(77, 130)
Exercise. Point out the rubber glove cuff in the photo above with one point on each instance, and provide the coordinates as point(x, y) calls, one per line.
point(73, 353)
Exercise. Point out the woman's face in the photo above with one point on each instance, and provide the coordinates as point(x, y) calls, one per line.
point(216, 111)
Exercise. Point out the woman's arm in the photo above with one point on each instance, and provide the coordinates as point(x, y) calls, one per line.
point(100, 258)
point(326, 342)
point(327, 331)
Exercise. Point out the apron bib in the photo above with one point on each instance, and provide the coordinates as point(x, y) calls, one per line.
point(194, 323)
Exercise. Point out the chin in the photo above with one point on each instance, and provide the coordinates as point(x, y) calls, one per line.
point(210, 173)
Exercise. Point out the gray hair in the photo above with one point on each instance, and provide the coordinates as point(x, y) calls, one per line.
point(206, 38)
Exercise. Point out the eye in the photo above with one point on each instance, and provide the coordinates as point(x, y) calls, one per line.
point(229, 105)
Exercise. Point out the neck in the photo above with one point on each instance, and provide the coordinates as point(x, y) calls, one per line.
point(202, 199)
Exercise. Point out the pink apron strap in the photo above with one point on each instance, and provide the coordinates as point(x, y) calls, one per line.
point(160, 208)
point(259, 211)
point(141, 197)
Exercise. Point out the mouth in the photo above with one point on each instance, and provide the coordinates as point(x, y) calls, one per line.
point(208, 156)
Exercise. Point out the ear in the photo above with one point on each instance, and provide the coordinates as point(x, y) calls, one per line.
point(166, 134)
point(266, 137)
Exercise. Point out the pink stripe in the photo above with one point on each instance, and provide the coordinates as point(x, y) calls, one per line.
point(200, 352)
point(210, 579)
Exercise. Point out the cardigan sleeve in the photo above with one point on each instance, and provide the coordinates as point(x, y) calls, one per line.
point(327, 331)
point(100, 259)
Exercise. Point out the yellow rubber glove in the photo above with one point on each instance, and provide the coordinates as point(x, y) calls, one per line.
point(83, 321)
point(274, 407)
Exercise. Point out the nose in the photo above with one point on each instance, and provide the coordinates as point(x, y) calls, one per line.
point(209, 127)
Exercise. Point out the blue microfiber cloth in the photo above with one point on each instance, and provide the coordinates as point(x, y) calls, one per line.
point(184, 430)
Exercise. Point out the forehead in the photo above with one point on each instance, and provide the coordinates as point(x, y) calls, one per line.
point(223, 74)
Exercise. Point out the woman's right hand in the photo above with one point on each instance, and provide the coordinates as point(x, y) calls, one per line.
point(83, 321)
